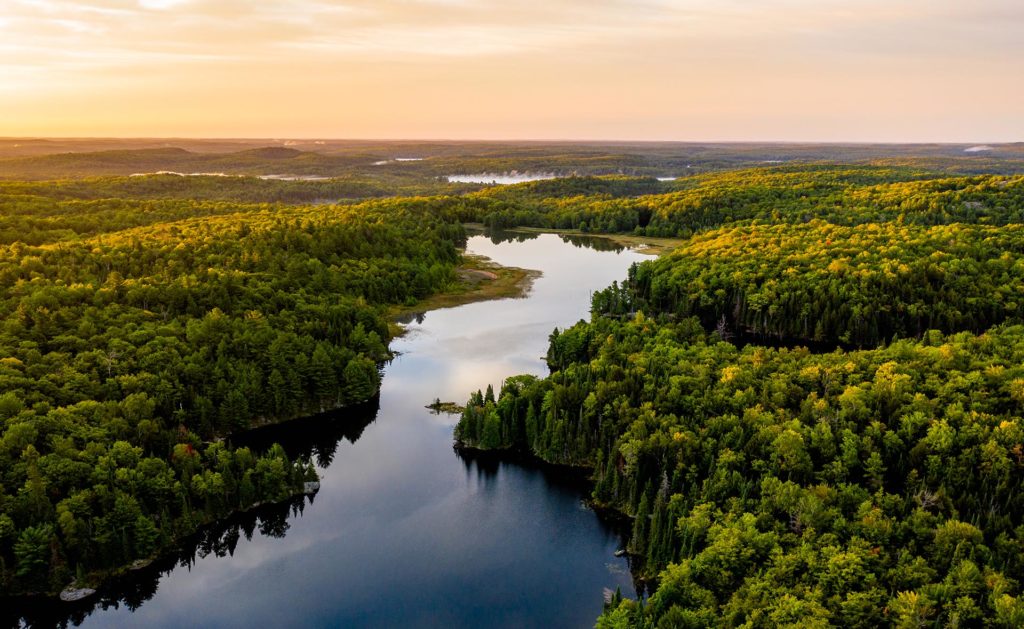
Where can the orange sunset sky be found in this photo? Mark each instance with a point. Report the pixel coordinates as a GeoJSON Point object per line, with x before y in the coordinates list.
{"type": "Point", "coordinates": [856, 70]}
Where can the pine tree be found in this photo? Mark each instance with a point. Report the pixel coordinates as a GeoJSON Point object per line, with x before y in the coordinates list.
{"type": "Point", "coordinates": [641, 528]}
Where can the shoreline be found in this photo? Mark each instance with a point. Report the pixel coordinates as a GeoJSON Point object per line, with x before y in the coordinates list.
{"type": "Point", "coordinates": [576, 473]}
{"type": "Point", "coordinates": [479, 279]}
{"type": "Point", "coordinates": [647, 245]}
{"type": "Point", "coordinates": [483, 279]}
{"type": "Point", "coordinates": [97, 584]}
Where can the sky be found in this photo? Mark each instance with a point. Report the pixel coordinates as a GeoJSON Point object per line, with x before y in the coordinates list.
{"type": "Point", "coordinates": [701, 70]}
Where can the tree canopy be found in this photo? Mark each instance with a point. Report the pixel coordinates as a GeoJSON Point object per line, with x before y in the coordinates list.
{"type": "Point", "coordinates": [135, 334]}
{"type": "Point", "coordinates": [812, 409]}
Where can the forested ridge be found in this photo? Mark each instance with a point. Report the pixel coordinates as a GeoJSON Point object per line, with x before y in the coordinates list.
{"type": "Point", "coordinates": [877, 485]}
{"type": "Point", "coordinates": [134, 334]}
{"type": "Point", "coordinates": [848, 195]}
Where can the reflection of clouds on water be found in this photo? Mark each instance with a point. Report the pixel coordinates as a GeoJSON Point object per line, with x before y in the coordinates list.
{"type": "Point", "coordinates": [494, 343]}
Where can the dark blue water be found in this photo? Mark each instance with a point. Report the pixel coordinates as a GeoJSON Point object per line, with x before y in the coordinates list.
{"type": "Point", "coordinates": [404, 532]}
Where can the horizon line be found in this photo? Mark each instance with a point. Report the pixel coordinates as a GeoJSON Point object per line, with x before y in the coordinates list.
{"type": "Point", "coordinates": [5, 138]}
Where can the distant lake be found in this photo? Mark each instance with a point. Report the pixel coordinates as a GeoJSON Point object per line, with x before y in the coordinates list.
{"type": "Point", "coordinates": [405, 532]}
{"type": "Point", "coordinates": [270, 177]}
{"type": "Point", "coordinates": [294, 177]}
{"type": "Point", "coordinates": [502, 178]}
{"type": "Point", "coordinates": [177, 174]}
{"type": "Point", "coordinates": [397, 159]}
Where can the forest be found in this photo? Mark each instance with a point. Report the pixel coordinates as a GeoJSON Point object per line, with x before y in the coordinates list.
{"type": "Point", "coordinates": [136, 334]}
{"type": "Point", "coordinates": [841, 195]}
{"type": "Point", "coordinates": [811, 409]}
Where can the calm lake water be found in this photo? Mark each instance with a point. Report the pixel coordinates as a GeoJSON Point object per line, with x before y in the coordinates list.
{"type": "Point", "coordinates": [404, 532]}
{"type": "Point", "coordinates": [500, 178]}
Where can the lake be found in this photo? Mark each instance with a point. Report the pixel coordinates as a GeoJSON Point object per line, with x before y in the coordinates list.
{"type": "Point", "coordinates": [404, 532]}
{"type": "Point", "coordinates": [500, 178]}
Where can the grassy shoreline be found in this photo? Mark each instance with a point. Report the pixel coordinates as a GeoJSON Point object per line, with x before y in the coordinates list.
{"type": "Point", "coordinates": [483, 279]}
{"type": "Point", "coordinates": [479, 279]}
{"type": "Point", "coordinates": [649, 245]}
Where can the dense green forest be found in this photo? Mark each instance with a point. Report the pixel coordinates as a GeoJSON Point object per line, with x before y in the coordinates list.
{"type": "Point", "coordinates": [875, 483]}
{"type": "Point", "coordinates": [135, 334]}
{"type": "Point", "coordinates": [144, 319]}
{"type": "Point", "coordinates": [816, 281]}
{"type": "Point", "coordinates": [841, 195]}
{"type": "Point", "coordinates": [786, 488]}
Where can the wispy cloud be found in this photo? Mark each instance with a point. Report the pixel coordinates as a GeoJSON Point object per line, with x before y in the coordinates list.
{"type": "Point", "coordinates": [465, 27]}
{"type": "Point", "coordinates": [653, 56]}
{"type": "Point", "coordinates": [423, 27]}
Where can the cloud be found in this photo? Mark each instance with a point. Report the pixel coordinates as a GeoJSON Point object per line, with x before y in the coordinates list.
{"type": "Point", "coordinates": [424, 27]}
{"type": "Point", "coordinates": [446, 28]}
{"type": "Point", "coordinates": [161, 5]}
{"type": "Point", "coordinates": [610, 59]}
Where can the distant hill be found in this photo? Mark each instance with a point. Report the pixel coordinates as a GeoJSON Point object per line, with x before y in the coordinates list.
{"type": "Point", "coordinates": [34, 159]}
{"type": "Point", "coordinates": [271, 160]}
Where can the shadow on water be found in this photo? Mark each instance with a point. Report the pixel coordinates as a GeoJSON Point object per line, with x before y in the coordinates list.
{"type": "Point", "coordinates": [413, 317]}
{"type": "Point", "coordinates": [136, 587]}
{"type": "Point", "coordinates": [499, 235]}
{"type": "Point", "coordinates": [597, 243]}
{"type": "Point", "coordinates": [316, 437]}
{"type": "Point", "coordinates": [487, 466]}
{"type": "Point", "coordinates": [571, 482]}
{"type": "Point", "coordinates": [574, 482]}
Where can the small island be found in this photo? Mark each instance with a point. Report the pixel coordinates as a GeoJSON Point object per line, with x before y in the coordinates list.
{"type": "Point", "coordinates": [448, 408]}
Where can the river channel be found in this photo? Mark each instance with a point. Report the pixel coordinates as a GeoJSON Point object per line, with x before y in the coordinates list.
{"type": "Point", "coordinates": [404, 531]}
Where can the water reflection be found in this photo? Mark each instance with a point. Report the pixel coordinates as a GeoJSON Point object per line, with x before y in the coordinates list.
{"type": "Point", "coordinates": [316, 437]}
{"type": "Point", "coordinates": [499, 236]}
{"type": "Point", "coordinates": [131, 591]}
{"type": "Point", "coordinates": [597, 243]}
{"type": "Point", "coordinates": [404, 532]}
